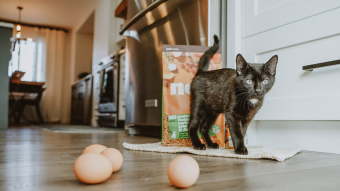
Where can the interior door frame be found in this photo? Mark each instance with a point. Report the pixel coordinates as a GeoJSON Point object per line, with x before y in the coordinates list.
{"type": "Point", "coordinates": [225, 20]}
{"type": "Point", "coordinates": [233, 29]}
{"type": "Point", "coordinates": [217, 25]}
{"type": "Point", "coordinates": [214, 19]}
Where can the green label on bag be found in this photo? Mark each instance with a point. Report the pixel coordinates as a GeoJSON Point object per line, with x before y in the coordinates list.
{"type": "Point", "coordinates": [178, 126]}
{"type": "Point", "coordinates": [213, 131]}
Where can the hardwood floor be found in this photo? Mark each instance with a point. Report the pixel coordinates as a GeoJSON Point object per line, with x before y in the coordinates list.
{"type": "Point", "coordinates": [33, 159]}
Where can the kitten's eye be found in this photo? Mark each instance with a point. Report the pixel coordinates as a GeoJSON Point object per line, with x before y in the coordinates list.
{"type": "Point", "coordinates": [249, 82]}
{"type": "Point", "coordinates": [265, 82]}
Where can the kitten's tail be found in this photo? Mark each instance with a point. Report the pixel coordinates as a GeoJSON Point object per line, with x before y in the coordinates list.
{"type": "Point", "coordinates": [205, 58]}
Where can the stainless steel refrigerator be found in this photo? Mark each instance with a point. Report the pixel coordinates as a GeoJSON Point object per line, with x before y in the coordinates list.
{"type": "Point", "coordinates": [172, 22]}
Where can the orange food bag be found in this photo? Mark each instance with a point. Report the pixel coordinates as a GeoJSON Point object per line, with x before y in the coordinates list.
{"type": "Point", "coordinates": [179, 67]}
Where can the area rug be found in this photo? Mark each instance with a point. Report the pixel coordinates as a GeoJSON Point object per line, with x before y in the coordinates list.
{"type": "Point", "coordinates": [78, 129]}
{"type": "Point", "coordinates": [253, 152]}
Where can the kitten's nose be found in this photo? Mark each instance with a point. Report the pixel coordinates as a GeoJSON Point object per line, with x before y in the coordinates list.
{"type": "Point", "coordinates": [258, 90]}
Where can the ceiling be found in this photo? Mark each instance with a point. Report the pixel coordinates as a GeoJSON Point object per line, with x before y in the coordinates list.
{"type": "Point", "coordinates": [63, 13]}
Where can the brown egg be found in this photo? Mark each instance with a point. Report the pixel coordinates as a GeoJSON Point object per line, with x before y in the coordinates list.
{"type": "Point", "coordinates": [95, 148]}
{"type": "Point", "coordinates": [115, 157]}
{"type": "Point", "coordinates": [183, 171]}
{"type": "Point", "coordinates": [91, 168]}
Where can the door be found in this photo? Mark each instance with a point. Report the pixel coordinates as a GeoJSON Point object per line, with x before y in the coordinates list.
{"type": "Point", "coordinates": [301, 33]}
{"type": "Point", "coordinates": [5, 56]}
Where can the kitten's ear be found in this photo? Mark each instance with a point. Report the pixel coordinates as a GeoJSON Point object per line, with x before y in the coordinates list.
{"type": "Point", "coordinates": [241, 65]}
{"type": "Point", "coordinates": [270, 66]}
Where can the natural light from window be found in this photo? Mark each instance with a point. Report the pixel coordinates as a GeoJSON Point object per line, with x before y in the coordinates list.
{"type": "Point", "coordinates": [29, 61]}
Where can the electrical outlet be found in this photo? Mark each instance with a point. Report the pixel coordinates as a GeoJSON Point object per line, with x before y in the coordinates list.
{"type": "Point", "coordinates": [151, 103]}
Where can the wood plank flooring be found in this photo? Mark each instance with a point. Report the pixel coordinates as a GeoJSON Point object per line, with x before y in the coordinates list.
{"type": "Point", "coordinates": [35, 159]}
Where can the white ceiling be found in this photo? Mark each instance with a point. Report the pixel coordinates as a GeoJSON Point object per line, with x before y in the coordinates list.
{"type": "Point", "coordinates": [64, 13]}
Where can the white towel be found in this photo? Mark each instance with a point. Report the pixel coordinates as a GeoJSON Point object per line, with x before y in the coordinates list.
{"type": "Point", "coordinates": [253, 152]}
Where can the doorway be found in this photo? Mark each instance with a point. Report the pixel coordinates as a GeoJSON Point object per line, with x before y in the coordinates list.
{"type": "Point", "coordinates": [84, 46]}
{"type": "Point", "coordinates": [81, 106]}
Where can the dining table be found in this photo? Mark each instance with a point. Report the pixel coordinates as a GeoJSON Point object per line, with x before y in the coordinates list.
{"type": "Point", "coordinates": [22, 94]}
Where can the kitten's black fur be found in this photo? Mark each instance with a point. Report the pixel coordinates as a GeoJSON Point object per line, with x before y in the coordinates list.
{"type": "Point", "coordinates": [236, 93]}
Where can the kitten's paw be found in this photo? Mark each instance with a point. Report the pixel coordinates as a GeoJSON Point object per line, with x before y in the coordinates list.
{"type": "Point", "coordinates": [200, 147]}
{"type": "Point", "coordinates": [213, 145]}
{"type": "Point", "coordinates": [242, 150]}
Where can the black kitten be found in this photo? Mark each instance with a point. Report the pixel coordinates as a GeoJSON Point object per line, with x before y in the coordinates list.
{"type": "Point", "coordinates": [236, 93]}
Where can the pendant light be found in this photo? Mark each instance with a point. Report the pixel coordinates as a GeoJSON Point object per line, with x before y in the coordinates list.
{"type": "Point", "coordinates": [17, 41]}
{"type": "Point", "coordinates": [18, 27]}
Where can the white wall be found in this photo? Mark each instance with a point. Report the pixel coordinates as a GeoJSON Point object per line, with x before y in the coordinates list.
{"type": "Point", "coordinates": [106, 32]}
{"type": "Point", "coordinates": [102, 31]}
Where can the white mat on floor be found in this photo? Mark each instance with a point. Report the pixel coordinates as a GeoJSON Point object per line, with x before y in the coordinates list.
{"type": "Point", "coordinates": [253, 153]}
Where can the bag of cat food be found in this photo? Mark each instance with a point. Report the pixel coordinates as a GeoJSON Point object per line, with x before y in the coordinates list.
{"type": "Point", "coordinates": [180, 64]}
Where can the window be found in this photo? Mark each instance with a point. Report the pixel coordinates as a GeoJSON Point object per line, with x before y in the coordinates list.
{"type": "Point", "coordinates": [29, 61]}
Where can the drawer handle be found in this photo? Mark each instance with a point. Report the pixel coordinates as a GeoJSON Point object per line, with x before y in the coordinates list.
{"type": "Point", "coordinates": [311, 67]}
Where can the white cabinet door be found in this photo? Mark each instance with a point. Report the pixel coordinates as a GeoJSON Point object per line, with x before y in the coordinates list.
{"type": "Point", "coordinates": [301, 32]}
